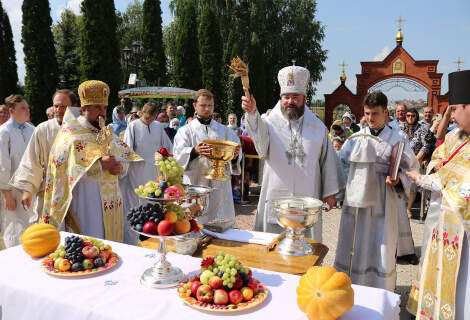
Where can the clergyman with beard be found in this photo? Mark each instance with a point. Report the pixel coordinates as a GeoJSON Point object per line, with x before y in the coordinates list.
{"type": "Point", "coordinates": [300, 158]}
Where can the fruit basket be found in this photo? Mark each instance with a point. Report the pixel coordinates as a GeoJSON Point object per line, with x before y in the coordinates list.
{"type": "Point", "coordinates": [223, 285]}
{"type": "Point", "coordinates": [80, 256]}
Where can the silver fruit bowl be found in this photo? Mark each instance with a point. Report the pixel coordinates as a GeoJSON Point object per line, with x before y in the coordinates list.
{"type": "Point", "coordinates": [296, 214]}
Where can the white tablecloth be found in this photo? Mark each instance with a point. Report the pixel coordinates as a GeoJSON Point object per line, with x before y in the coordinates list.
{"type": "Point", "coordinates": [26, 292]}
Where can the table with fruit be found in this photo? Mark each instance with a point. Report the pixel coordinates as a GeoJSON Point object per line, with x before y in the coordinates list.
{"type": "Point", "coordinates": [27, 292]}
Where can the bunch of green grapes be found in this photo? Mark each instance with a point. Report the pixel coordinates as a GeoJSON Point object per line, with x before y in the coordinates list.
{"type": "Point", "coordinates": [97, 243]}
{"type": "Point", "coordinates": [148, 188]}
{"type": "Point", "coordinates": [227, 267]}
{"type": "Point", "coordinates": [58, 253]}
{"type": "Point", "coordinates": [171, 169]}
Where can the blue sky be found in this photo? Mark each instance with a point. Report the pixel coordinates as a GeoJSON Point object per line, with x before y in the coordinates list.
{"type": "Point", "coordinates": [360, 30]}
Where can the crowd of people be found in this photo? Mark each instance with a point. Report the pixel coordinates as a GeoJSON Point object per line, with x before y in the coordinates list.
{"type": "Point", "coordinates": [63, 173]}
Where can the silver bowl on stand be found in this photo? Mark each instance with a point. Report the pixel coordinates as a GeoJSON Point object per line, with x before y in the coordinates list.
{"type": "Point", "coordinates": [296, 214]}
{"type": "Point", "coordinates": [163, 274]}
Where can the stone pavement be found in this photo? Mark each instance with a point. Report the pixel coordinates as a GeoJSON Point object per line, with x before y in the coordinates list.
{"type": "Point", "coordinates": [245, 215]}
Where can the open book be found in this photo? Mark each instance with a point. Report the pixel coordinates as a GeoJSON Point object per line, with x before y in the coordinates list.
{"type": "Point", "coordinates": [395, 160]}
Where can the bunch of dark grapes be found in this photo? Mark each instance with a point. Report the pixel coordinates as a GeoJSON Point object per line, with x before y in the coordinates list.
{"type": "Point", "coordinates": [73, 249]}
{"type": "Point", "coordinates": [142, 214]}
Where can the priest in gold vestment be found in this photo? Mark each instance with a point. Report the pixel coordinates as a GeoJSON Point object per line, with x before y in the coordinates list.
{"type": "Point", "coordinates": [442, 290]}
{"type": "Point", "coordinates": [85, 163]}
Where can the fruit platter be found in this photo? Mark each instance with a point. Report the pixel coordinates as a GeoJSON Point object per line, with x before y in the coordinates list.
{"type": "Point", "coordinates": [167, 210]}
{"type": "Point", "coordinates": [223, 285]}
{"type": "Point", "coordinates": [80, 256]}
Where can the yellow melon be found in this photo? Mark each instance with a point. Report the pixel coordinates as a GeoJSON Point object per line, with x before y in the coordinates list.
{"type": "Point", "coordinates": [324, 294]}
{"type": "Point", "coordinates": [40, 239]}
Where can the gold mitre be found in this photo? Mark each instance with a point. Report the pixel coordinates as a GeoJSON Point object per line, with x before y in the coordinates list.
{"type": "Point", "coordinates": [93, 92]}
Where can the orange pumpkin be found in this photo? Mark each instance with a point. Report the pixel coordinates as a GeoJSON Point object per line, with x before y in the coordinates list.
{"type": "Point", "coordinates": [324, 294]}
{"type": "Point", "coordinates": [40, 239]}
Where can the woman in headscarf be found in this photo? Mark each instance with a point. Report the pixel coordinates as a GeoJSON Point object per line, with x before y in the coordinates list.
{"type": "Point", "coordinates": [119, 120]}
{"type": "Point", "coordinates": [337, 129]}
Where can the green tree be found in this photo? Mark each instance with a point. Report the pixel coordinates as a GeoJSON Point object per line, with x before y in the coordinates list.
{"type": "Point", "coordinates": [211, 51]}
{"type": "Point", "coordinates": [152, 41]}
{"type": "Point", "coordinates": [40, 57]}
{"type": "Point", "coordinates": [8, 74]}
{"type": "Point", "coordinates": [186, 64]}
{"type": "Point", "coordinates": [67, 40]}
{"type": "Point", "coordinates": [100, 55]}
{"type": "Point", "coordinates": [130, 24]}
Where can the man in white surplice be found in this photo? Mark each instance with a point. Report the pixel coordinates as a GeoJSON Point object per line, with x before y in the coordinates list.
{"type": "Point", "coordinates": [29, 177]}
{"type": "Point", "coordinates": [300, 158]}
{"type": "Point", "coordinates": [377, 224]}
{"type": "Point", "coordinates": [192, 155]}
{"type": "Point", "coordinates": [14, 137]}
{"type": "Point", "coordinates": [144, 136]}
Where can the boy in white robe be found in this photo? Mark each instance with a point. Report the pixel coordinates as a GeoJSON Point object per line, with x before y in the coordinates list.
{"type": "Point", "coordinates": [192, 155]}
{"type": "Point", "coordinates": [14, 137]}
{"type": "Point", "coordinates": [377, 224]}
{"type": "Point", "coordinates": [144, 136]}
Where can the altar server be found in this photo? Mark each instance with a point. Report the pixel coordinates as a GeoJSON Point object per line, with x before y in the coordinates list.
{"type": "Point", "coordinates": [371, 190]}
{"type": "Point", "coordinates": [14, 137]}
{"type": "Point", "coordinates": [193, 155]}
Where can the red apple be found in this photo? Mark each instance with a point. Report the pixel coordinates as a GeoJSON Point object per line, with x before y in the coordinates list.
{"type": "Point", "coordinates": [253, 286]}
{"type": "Point", "coordinates": [150, 228]}
{"type": "Point", "coordinates": [220, 296]}
{"type": "Point", "coordinates": [238, 284]}
{"type": "Point", "coordinates": [90, 252]}
{"type": "Point", "coordinates": [165, 228]}
{"type": "Point", "coordinates": [204, 293]}
{"type": "Point", "coordinates": [247, 293]}
{"type": "Point", "coordinates": [194, 286]}
{"type": "Point", "coordinates": [235, 296]}
{"type": "Point", "coordinates": [215, 282]}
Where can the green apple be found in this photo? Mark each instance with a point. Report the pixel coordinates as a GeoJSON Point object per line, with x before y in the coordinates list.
{"type": "Point", "coordinates": [57, 263]}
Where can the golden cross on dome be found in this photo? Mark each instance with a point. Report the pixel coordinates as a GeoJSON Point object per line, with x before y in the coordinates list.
{"type": "Point", "coordinates": [400, 21]}
{"type": "Point", "coordinates": [343, 65]}
{"type": "Point", "coordinates": [458, 62]}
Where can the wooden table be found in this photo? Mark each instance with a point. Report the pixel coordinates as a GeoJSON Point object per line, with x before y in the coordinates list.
{"type": "Point", "coordinates": [255, 255]}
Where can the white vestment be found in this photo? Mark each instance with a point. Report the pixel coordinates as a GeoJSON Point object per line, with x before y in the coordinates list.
{"type": "Point", "coordinates": [144, 140]}
{"type": "Point", "coordinates": [189, 136]}
{"type": "Point", "coordinates": [319, 177]}
{"type": "Point", "coordinates": [377, 226]}
{"type": "Point", "coordinates": [33, 166]}
{"type": "Point", "coordinates": [13, 142]}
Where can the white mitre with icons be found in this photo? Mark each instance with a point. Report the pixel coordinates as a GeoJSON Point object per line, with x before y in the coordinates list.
{"type": "Point", "coordinates": [293, 79]}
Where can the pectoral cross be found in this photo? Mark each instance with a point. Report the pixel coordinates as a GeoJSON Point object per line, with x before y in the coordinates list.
{"type": "Point", "coordinates": [294, 151]}
{"type": "Point", "coordinates": [103, 136]}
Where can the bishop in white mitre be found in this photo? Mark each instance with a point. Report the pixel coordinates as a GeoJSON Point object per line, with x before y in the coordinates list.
{"type": "Point", "coordinates": [300, 159]}
{"type": "Point", "coordinates": [193, 155]}
{"type": "Point", "coordinates": [374, 194]}
{"type": "Point", "coordinates": [144, 136]}
{"type": "Point", "coordinates": [29, 177]}
{"type": "Point", "coordinates": [14, 137]}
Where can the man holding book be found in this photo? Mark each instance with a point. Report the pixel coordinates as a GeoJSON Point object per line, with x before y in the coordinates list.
{"type": "Point", "coordinates": [372, 195]}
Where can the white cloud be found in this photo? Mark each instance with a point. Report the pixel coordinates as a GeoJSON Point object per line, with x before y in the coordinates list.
{"type": "Point", "coordinates": [73, 5]}
{"type": "Point", "coordinates": [382, 54]}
